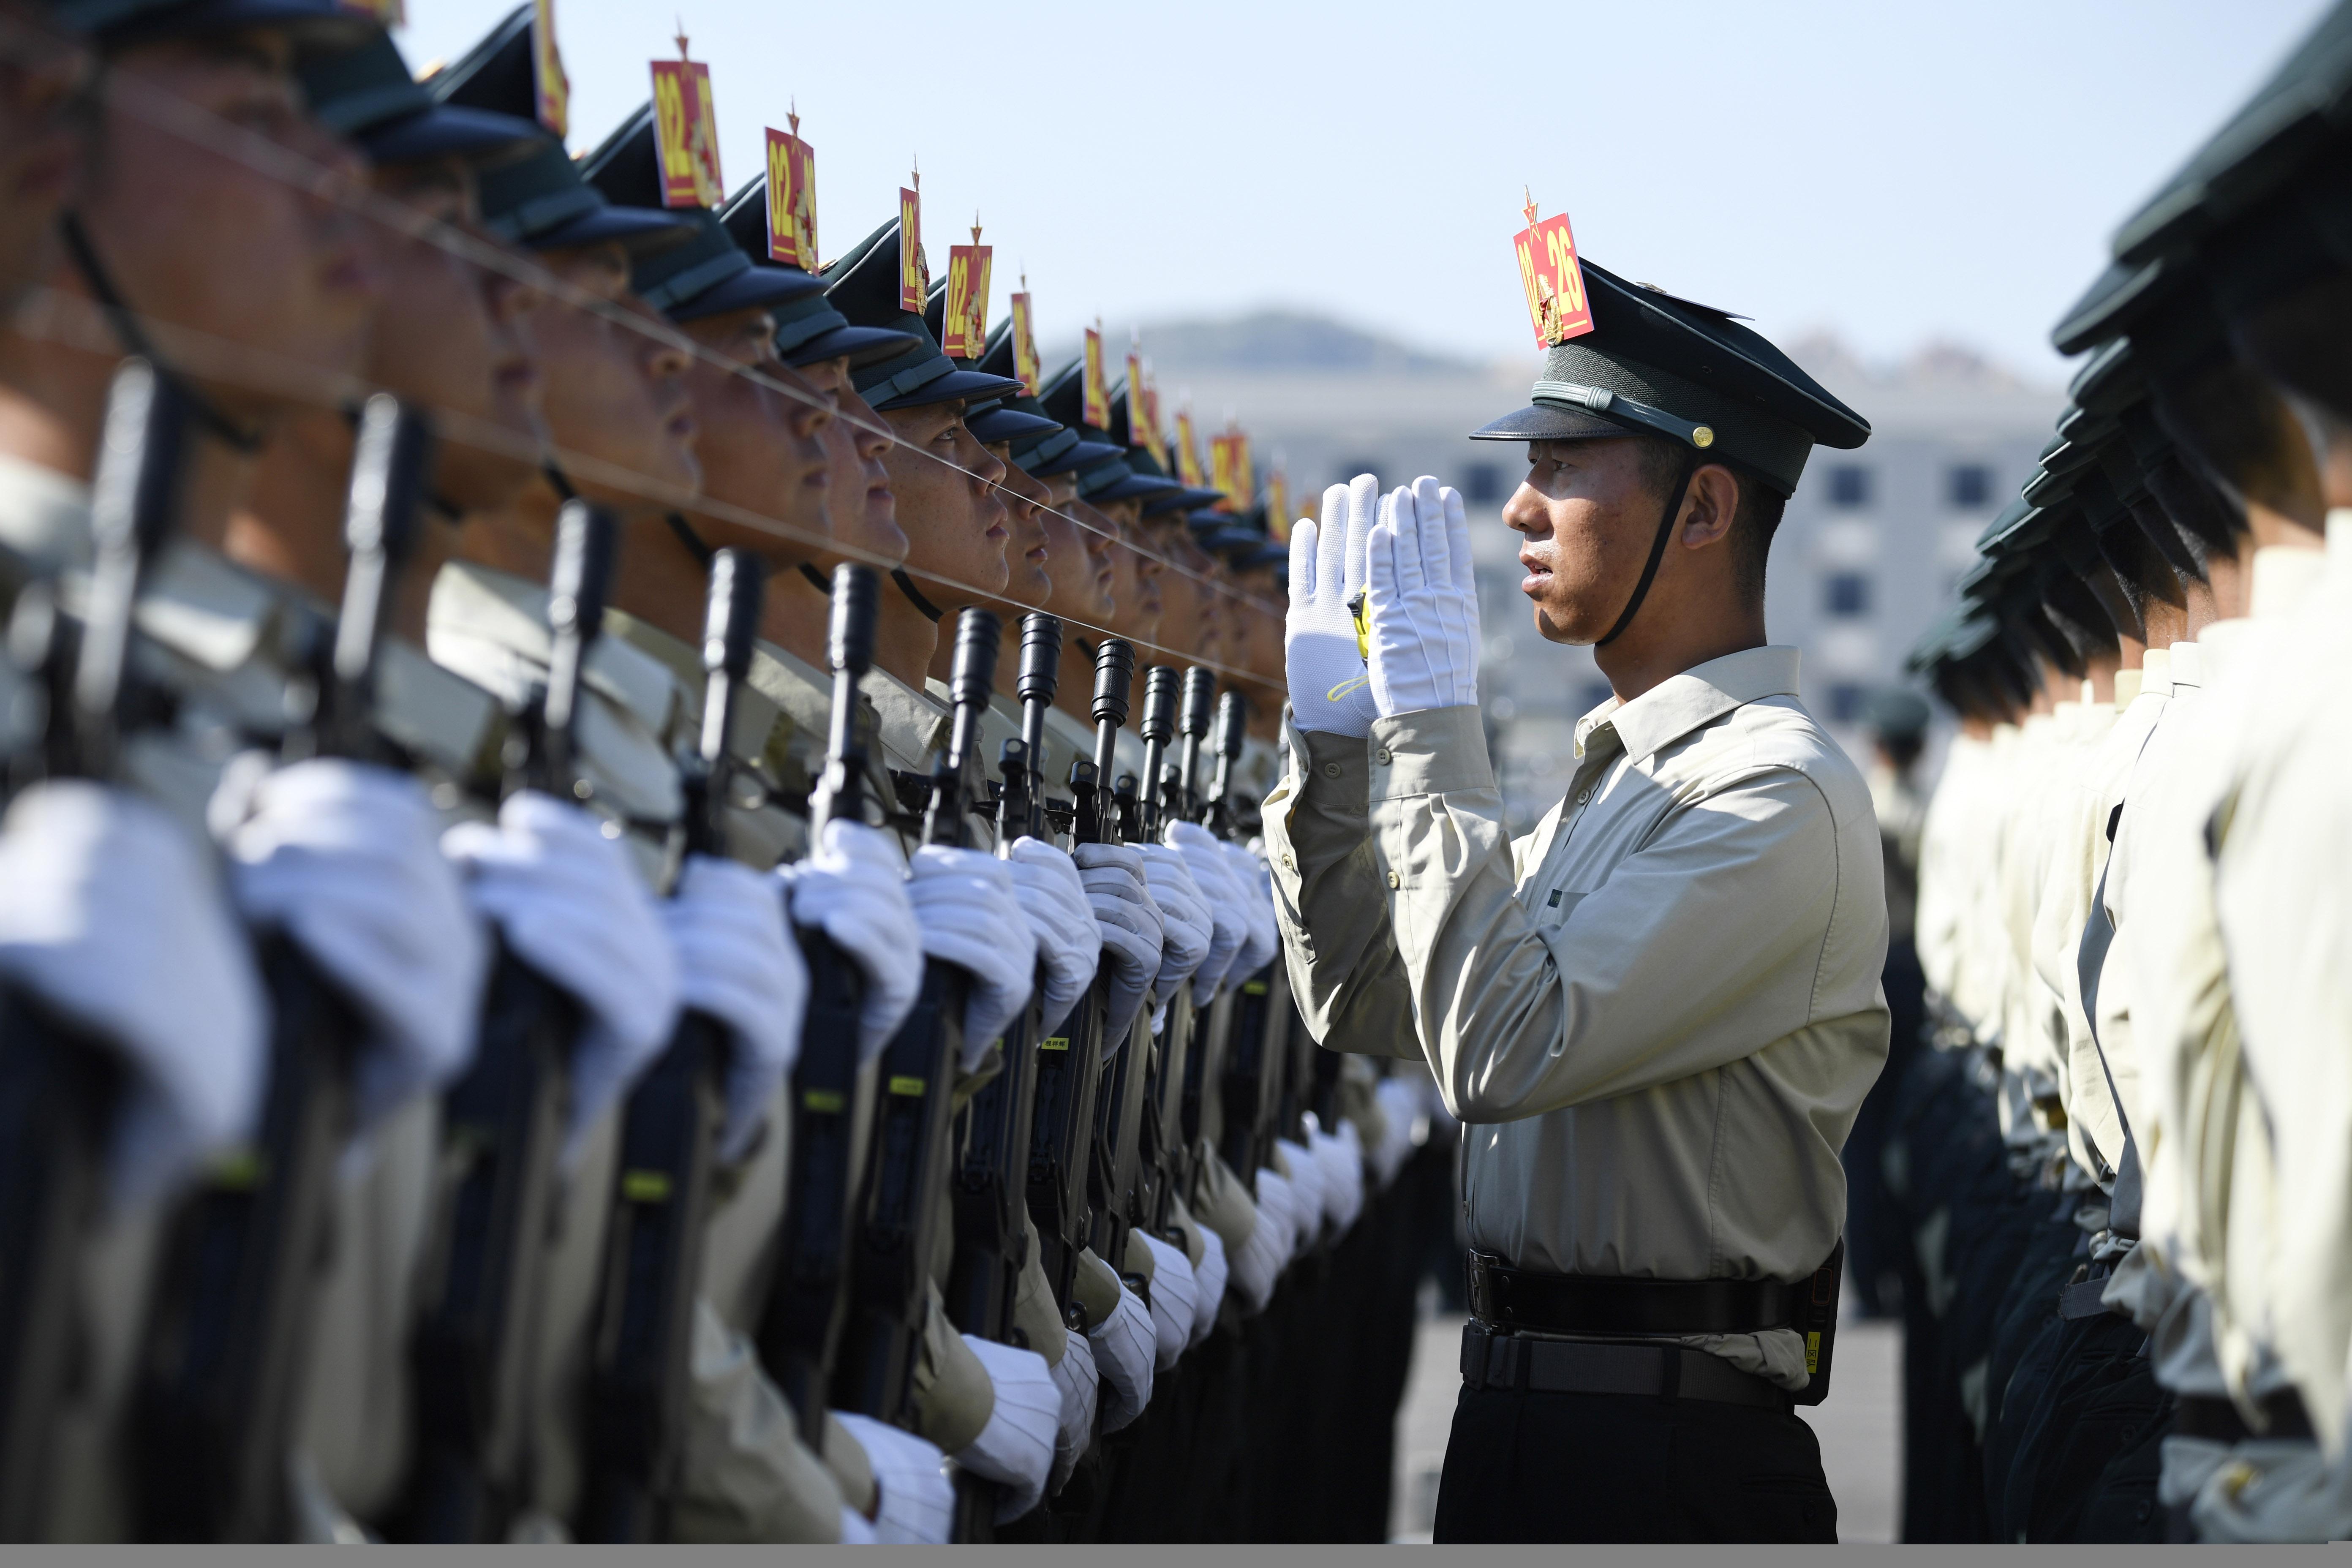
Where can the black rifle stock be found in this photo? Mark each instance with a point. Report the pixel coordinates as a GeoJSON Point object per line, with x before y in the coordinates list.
{"type": "Point", "coordinates": [801, 1329]}
{"type": "Point", "coordinates": [1205, 1063]}
{"type": "Point", "coordinates": [1069, 1067]}
{"type": "Point", "coordinates": [640, 1367]}
{"type": "Point", "coordinates": [475, 1347]}
{"type": "Point", "coordinates": [1125, 1128]}
{"type": "Point", "coordinates": [59, 1084]}
{"type": "Point", "coordinates": [903, 1202]}
{"type": "Point", "coordinates": [995, 1128]}
{"type": "Point", "coordinates": [229, 1332]}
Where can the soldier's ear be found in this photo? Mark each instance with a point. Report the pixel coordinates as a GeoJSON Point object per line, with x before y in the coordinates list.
{"type": "Point", "coordinates": [1709, 507]}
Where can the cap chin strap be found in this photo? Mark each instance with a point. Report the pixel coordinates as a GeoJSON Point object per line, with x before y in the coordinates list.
{"type": "Point", "coordinates": [562, 481]}
{"type": "Point", "coordinates": [1657, 552]}
{"type": "Point", "coordinates": [815, 578]}
{"type": "Point", "coordinates": [931, 612]}
{"type": "Point", "coordinates": [695, 543]}
{"type": "Point", "coordinates": [135, 340]}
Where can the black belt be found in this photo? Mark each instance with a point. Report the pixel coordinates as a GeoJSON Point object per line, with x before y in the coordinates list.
{"type": "Point", "coordinates": [1511, 1298]}
{"type": "Point", "coordinates": [2219, 1421]}
{"type": "Point", "coordinates": [1490, 1360]}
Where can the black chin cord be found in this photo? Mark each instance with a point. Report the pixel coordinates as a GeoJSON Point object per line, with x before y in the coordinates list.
{"type": "Point", "coordinates": [135, 340]}
{"type": "Point", "coordinates": [560, 480]}
{"type": "Point", "coordinates": [816, 579]}
{"type": "Point", "coordinates": [695, 543]}
{"type": "Point", "coordinates": [915, 595]}
{"type": "Point", "coordinates": [1657, 553]}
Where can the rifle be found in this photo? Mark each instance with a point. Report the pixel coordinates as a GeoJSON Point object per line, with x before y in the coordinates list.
{"type": "Point", "coordinates": [1070, 1067]}
{"type": "Point", "coordinates": [801, 1327]}
{"type": "Point", "coordinates": [992, 1243]}
{"type": "Point", "coordinates": [1127, 1133]}
{"type": "Point", "coordinates": [59, 1084]}
{"type": "Point", "coordinates": [908, 1162]}
{"type": "Point", "coordinates": [641, 1357]}
{"type": "Point", "coordinates": [473, 1350]}
{"type": "Point", "coordinates": [1212, 1035]}
{"type": "Point", "coordinates": [1179, 1054]}
{"type": "Point", "coordinates": [229, 1333]}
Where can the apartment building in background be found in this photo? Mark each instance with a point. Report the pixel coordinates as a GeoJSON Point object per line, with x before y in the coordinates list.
{"type": "Point", "coordinates": [1868, 551]}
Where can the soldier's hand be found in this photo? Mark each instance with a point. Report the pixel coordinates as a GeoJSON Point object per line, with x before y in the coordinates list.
{"type": "Point", "coordinates": [1422, 601]}
{"type": "Point", "coordinates": [1323, 650]}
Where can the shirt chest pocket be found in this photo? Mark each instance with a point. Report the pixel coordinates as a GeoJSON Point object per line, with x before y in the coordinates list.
{"type": "Point", "coordinates": [1550, 907]}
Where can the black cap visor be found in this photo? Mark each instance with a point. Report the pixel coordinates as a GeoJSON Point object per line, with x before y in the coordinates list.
{"type": "Point", "coordinates": [450, 131]}
{"type": "Point", "coordinates": [636, 229]}
{"type": "Point", "coordinates": [992, 426]}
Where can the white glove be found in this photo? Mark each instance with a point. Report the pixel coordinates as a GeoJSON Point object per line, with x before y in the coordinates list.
{"type": "Point", "coordinates": [1422, 601]}
{"type": "Point", "coordinates": [1062, 917]}
{"type": "Point", "coordinates": [1331, 686]}
{"type": "Point", "coordinates": [1175, 1295]}
{"type": "Point", "coordinates": [96, 885]}
{"type": "Point", "coordinates": [1131, 928]}
{"type": "Point", "coordinates": [1307, 1192]}
{"type": "Point", "coordinates": [1279, 1207]}
{"type": "Point", "coordinates": [856, 1530]}
{"type": "Point", "coordinates": [570, 904]}
{"type": "Point", "coordinates": [340, 856]}
{"type": "Point", "coordinates": [1081, 1386]}
{"type": "Point", "coordinates": [1124, 1346]}
{"type": "Point", "coordinates": [1015, 1449]}
{"type": "Point", "coordinates": [1259, 1263]}
{"type": "Point", "coordinates": [915, 1500]}
{"type": "Point", "coordinates": [1211, 1278]}
{"type": "Point", "coordinates": [1228, 915]}
{"type": "Point", "coordinates": [1400, 1107]}
{"type": "Point", "coordinates": [1340, 1156]}
{"type": "Point", "coordinates": [1190, 928]}
{"type": "Point", "coordinates": [735, 963]}
{"type": "Point", "coordinates": [1263, 937]}
{"type": "Point", "coordinates": [971, 916]}
{"type": "Point", "coordinates": [853, 887]}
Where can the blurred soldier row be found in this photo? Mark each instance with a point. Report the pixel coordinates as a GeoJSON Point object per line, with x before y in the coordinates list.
{"type": "Point", "coordinates": [629, 901]}
{"type": "Point", "coordinates": [2119, 1167]}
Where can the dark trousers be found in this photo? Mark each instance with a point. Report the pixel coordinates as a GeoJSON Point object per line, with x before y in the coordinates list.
{"type": "Point", "coordinates": [1548, 1468]}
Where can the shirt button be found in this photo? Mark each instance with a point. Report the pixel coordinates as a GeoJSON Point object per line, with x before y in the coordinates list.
{"type": "Point", "coordinates": [1583, 795]}
{"type": "Point", "coordinates": [1392, 879]}
{"type": "Point", "coordinates": [1330, 770]}
{"type": "Point", "coordinates": [1288, 864]}
{"type": "Point", "coordinates": [1384, 756]}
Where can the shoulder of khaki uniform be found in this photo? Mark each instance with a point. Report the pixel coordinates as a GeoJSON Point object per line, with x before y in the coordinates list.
{"type": "Point", "coordinates": [760, 734]}
{"type": "Point", "coordinates": [910, 726]}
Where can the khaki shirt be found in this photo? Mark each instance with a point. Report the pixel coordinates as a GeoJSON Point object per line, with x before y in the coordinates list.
{"type": "Point", "coordinates": [1659, 1013]}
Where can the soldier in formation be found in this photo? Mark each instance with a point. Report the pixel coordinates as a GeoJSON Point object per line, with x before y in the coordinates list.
{"type": "Point", "coordinates": [631, 899]}
{"type": "Point", "coordinates": [2119, 1158]}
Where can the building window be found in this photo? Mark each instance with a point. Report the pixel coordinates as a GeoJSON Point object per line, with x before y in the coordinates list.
{"type": "Point", "coordinates": [1847, 701]}
{"type": "Point", "coordinates": [1482, 484]}
{"type": "Point", "coordinates": [1846, 595]}
{"type": "Point", "coordinates": [1969, 486]}
{"type": "Point", "coordinates": [1849, 485]}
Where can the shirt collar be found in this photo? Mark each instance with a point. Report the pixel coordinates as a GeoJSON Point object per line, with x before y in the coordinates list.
{"type": "Point", "coordinates": [1697, 697]}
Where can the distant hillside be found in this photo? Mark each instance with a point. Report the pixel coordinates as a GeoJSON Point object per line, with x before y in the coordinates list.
{"type": "Point", "coordinates": [1269, 341]}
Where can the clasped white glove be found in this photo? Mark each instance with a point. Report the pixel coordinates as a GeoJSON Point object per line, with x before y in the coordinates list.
{"type": "Point", "coordinates": [1400, 1107]}
{"type": "Point", "coordinates": [1341, 1159]}
{"type": "Point", "coordinates": [1421, 600]}
{"type": "Point", "coordinates": [735, 963]}
{"type": "Point", "coordinates": [852, 887]}
{"type": "Point", "coordinates": [1228, 914]}
{"type": "Point", "coordinates": [1306, 1190]}
{"type": "Point", "coordinates": [1125, 1345]}
{"type": "Point", "coordinates": [1259, 1263]}
{"type": "Point", "coordinates": [1081, 1384]}
{"type": "Point", "coordinates": [1175, 1295]}
{"type": "Point", "coordinates": [1015, 1449]}
{"type": "Point", "coordinates": [569, 903]}
{"type": "Point", "coordinates": [1211, 1278]}
{"type": "Point", "coordinates": [970, 915]}
{"type": "Point", "coordinates": [96, 885]}
{"type": "Point", "coordinates": [915, 1501]}
{"type": "Point", "coordinates": [1263, 937]}
{"type": "Point", "coordinates": [1062, 917]}
{"type": "Point", "coordinates": [1131, 928]}
{"type": "Point", "coordinates": [1330, 685]}
{"type": "Point", "coordinates": [1278, 1206]}
{"type": "Point", "coordinates": [340, 856]}
{"type": "Point", "coordinates": [1189, 926]}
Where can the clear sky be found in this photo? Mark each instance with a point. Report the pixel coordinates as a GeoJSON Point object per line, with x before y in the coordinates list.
{"type": "Point", "coordinates": [1894, 171]}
